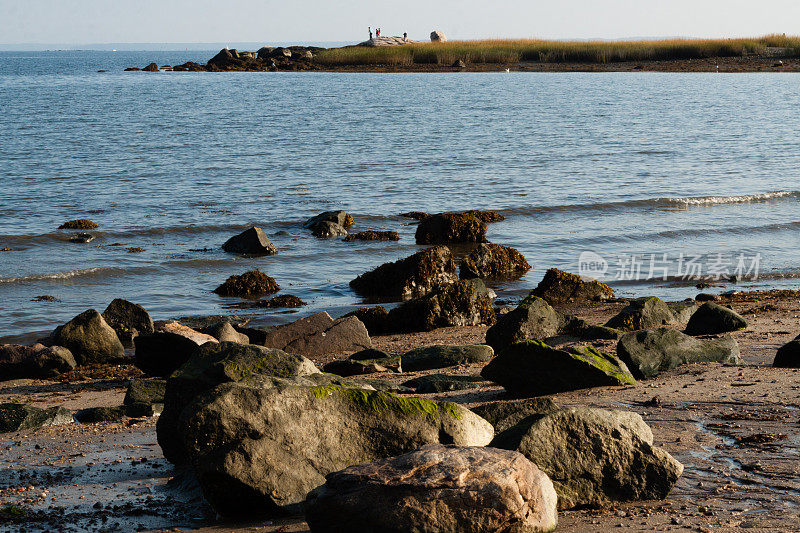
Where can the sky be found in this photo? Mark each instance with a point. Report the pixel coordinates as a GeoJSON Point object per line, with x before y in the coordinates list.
{"type": "Point", "coordinates": [75, 22]}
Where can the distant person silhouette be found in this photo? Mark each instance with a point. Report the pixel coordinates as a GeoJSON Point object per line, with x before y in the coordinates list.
{"type": "Point", "coordinates": [405, 36]}
{"type": "Point", "coordinates": [377, 32]}
{"type": "Point", "coordinates": [369, 29]}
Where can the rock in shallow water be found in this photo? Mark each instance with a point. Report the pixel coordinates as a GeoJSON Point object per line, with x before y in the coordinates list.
{"type": "Point", "coordinates": [128, 319]}
{"type": "Point", "coordinates": [260, 448]}
{"type": "Point", "coordinates": [450, 227]}
{"type": "Point", "coordinates": [493, 261]}
{"type": "Point", "coordinates": [252, 284]}
{"type": "Point", "coordinates": [251, 241]}
{"type": "Point", "coordinates": [594, 456]}
{"type": "Point", "coordinates": [437, 488]}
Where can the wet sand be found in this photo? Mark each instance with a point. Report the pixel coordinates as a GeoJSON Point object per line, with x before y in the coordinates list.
{"type": "Point", "coordinates": [736, 429]}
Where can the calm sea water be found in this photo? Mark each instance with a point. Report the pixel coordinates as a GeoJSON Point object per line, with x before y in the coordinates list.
{"type": "Point", "coordinates": [615, 164]}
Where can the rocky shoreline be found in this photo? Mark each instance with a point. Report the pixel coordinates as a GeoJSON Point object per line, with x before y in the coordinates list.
{"type": "Point", "coordinates": [607, 412]}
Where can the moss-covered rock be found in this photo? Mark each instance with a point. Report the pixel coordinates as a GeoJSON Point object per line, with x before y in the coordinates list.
{"type": "Point", "coordinates": [532, 319]}
{"type": "Point", "coordinates": [261, 448]}
{"type": "Point", "coordinates": [642, 313]}
{"type": "Point", "coordinates": [532, 368]}
{"type": "Point", "coordinates": [252, 284]}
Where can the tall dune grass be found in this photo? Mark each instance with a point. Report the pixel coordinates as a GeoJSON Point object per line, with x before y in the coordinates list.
{"type": "Point", "coordinates": [513, 51]}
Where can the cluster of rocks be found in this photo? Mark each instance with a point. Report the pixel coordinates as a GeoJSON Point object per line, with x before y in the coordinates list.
{"type": "Point", "coordinates": [267, 58]}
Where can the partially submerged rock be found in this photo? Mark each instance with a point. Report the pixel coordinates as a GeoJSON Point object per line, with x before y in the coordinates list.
{"type": "Point", "coordinates": [435, 383]}
{"type": "Point", "coordinates": [504, 415]}
{"type": "Point", "coordinates": [594, 456]}
{"type": "Point", "coordinates": [212, 365]}
{"type": "Point", "coordinates": [713, 319]}
{"type": "Point", "coordinates": [411, 277]}
{"type": "Point", "coordinates": [532, 319]}
{"type": "Point", "coordinates": [319, 334]}
{"type": "Point", "coordinates": [437, 488]}
{"type": "Point", "coordinates": [443, 356]}
{"type": "Point", "coordinates": [128, 319]}
{"type": "Point", "coordinates": [642, 313]}
{"type": "Point", "coordinates": [788, 355]}
{"type": "Point", "coordinates": [649, 352]}
{"type": "Point", "coordinates": [493, 261]}
{"type": "Point", "coordinates": [81, 238]}
{"type": "Point", "coordinates": [252, 241]}
{"type": "Point", "coordinates": [19, 417]}
{"type": "Point", "coordinates": [558, 287]}
{"type": "Point", "coordinates": [90, 339]}
{"type": "Point", "coordinates": [81, 223]}
{"type": "Point", "coordinates": [286, 301]}
{"type": "Point", "coordinates": [260, 448]}
{"type": "Point", "coordinates": [252, 284]}
{"type": "Point", "coordinates": [327, 230]}
{"type": "Point", "coordinates": [463, 303]}
{"type": "Point", "coordinates": [373, 236]}
{"type": "Point", "coordinates": [532, 368]}
{"type": "Point", "coordinates": [37, 361]}
{"type": "Point", "coordinates": [341, 218]}
{"type": "Point", "coordinates": [450, 227]}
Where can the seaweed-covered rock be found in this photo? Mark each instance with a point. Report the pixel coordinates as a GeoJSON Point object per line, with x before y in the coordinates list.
{"type": "Point", "coordinates": [252, 241]}
{"type": "Point", "coordinates": [128, 319]}
{"type": "Point", "coordinates": [712, 319]}
{"type": "Point", "coordinates": [435, 383]}
{"type": "Point", "coordinates": [788, 355]}
{"type": "Point", "coordinates": [211, 365]}
{"type": "Point", "coordinates": [319, 334]}
{"type": "Point", "coordinates": [18, 417]}
{"type": "Point", "coordinates": [411, 277]}
{"type": "Point", "coordinates": [532, 319]}
{"type": "Point", "coordinates": [252, 284]}
{"type": "Point", "coordinates": [463, 303]}
{"type": "Point", "coordinates": [37, 361]}
{"type": "Point", "coordinates": [373, 236]}
{"type": "Point", "coordinates": [433, 357]}
{"type": "Point", "coordinates": [81, 223]}
{"type": "Point", "coordinates": [286, 301]}
{"type": "Point", "coordinates": [532, 368]}
{"type": "Point", "coordinates": [493, 261]}
{"type": "Point", "coordinates": [485, 216]}
{"type": "Point", "coordinates": [90, 339]}
{"type": "Point", "coordinates": [450, 227]}
{"type": "Point", "coordinates": [504, 415]}
{"type": "Point", "coordinates": [649, 352]}
{"type": "Point", "coordinates": [260, 448]}
{"type": "Point", "coordinates": [594, 456]}
{"type": "Point", "coordinates": [365, 362]}
{"type": "Point", "coordinates": [642, 313]}
{"type": "Point", "coordinates": [375, 319]}
{"type": "Point", "coordinates": [558, 286]}
{"type": "Point", "coordinates": [438, 488]}
{"type": "Point", "coordinates": [342, 218]}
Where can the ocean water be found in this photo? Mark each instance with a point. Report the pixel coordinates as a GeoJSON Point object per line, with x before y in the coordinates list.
{"type": "Point", "coordinates": [641, 168]}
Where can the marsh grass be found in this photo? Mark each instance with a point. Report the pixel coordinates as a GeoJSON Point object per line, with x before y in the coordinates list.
{"type": "Point", "coordinates": [508, 51]}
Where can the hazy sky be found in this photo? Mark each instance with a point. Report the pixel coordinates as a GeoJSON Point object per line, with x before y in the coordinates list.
{"type": "Point", "coordinates": [184, 21]}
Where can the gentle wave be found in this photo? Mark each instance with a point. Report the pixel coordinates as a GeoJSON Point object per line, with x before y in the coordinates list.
{"type": "Point", "coordinates": [95, 272]}
{"type": "Point", "coordinates": [664, 203]}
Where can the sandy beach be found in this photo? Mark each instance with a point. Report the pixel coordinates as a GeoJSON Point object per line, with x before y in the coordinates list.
{"type": "Point", "coordinates": [736, 429]}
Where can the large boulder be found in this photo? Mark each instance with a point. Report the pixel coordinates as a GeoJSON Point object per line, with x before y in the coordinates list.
{"type": "Point", "coordinates": [788, 355]}
{"type": "Point", "coordinates": [504, 415]}
{"type": "Point", "coordinates": [532, 368]}
{"type": "Point", "coordinates": [463, 303]}
{"type": "Point", "coordinates": [594, 456]}
{"type": "Point", "coordinates": [128, 319]}
{"type": "Point", "coordinates": [493, 261]}
{"type": "Point", "coordinates": [411, 277]}
{"type": "Point", "coordinates": [18, 417]}
{"type": "Point", "coordinates": [224, 58]}
{"type": "Point", "coordinates": [252, 284]}
{"type": "Point", "coordinates": [642, 313]}
{"type": "Point", "coordinates": [532, 319]}
{"type": "Point", "coordinates": [328, 230]}
{"type": "Point", "coordinates": [375, 319]}
{"type": "Point", "coordinates": [450, 227]}
{"type": "Point", "coordinates": [437, 488]}
{"type": "Point", "coordinates": [37, 361]}
{"type": "Point", "coordinates": [212, 365]}
{"type": "Point", "coordinates": [252, 241]}
{"type": "Point", "coordinates": [90, 339]}
{"type": "Point", "coordinates": [163, 352]}
{"type": "Point", "coordinates": [261, 447]}
{"type": "Point", "coordinates": [558, 287]}
{"type": "Point", "coordinates": [713, 319]}
{"type": "Point", "coordinates": [433, 357]}
{"type": "Point", "coordinates": [649, 352]}
{"type": "Point", "coordinates": [438, 37]}
{"type": "Point", "coordinates": [318, 335]}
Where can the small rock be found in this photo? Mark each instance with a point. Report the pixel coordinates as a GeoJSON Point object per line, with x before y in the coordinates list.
{"type": "Point", "coordinates": [282, 301]}
{"type": "Point", "coordinates": [252, 241]}
{"type": "Point", "coordinates": [252, 284]}
{"type": "Point", "coordinates": [81, 223]}
{"type": "Point", "coordinates": [81, 238]}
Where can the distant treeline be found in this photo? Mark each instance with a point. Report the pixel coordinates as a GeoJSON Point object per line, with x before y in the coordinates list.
{"type": "Point", "coordinates": [513, 51]}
